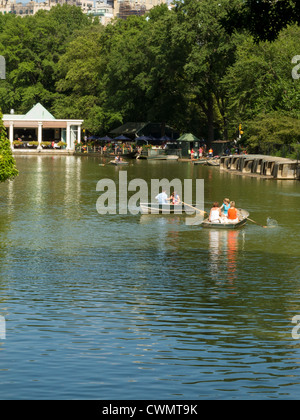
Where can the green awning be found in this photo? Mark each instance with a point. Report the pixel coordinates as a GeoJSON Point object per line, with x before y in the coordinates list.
{"type": "Point", "coordinates": [188, 137]}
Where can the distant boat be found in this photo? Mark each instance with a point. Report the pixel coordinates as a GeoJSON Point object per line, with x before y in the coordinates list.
{"type": "Point", "coordinates": [118, 162]}
{"type": "Point", "coordinates": [159, 157]}
{"type": "Point", "coordinates": [213, 162]}
{"type": "Point", "coordinates": [200, 162]}
{"type": "Point", "coordinates": [242, 216]}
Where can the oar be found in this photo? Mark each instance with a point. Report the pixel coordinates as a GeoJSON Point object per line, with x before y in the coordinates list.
{"type": "Point", "coordinates": [195, 208]}
{"type": "Point", "coordinates": [253, 221]}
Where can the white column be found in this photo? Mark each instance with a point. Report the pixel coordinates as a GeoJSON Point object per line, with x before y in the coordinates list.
{"type": "Point", "coordinates": [11, 134]}
{"type": "Point", "coordinates": [79, 134]}
{"type": "Point", "coordinates": [40, 131]}
{"type": "Point", "coordinates": [68, 136]}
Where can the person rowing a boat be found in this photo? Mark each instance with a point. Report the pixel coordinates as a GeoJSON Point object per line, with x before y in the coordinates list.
{"type": "Point", "coordinates": [162, 198]}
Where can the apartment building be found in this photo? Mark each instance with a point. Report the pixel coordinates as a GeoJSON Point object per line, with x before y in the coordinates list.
{"type": "Point", "coordinates": [106, 10]}
{"type": "Point", "coordinates": [31, 7]}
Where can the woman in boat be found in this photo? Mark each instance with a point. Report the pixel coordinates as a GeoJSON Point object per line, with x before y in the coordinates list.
{"type": "Point", "coordinates": [225, 207]}
{"type": "Point", "coordinates": [232, 213]}
{"type": "Point", "coordinates": [215, 213]}
{"type": "Point", "coordinates": [175, 199]}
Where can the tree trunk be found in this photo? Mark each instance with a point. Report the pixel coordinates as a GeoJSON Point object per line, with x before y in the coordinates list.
{"type": "Point", "coordinates": [210, 120]}
{"type": "Point", "coordinates": [163, 128]}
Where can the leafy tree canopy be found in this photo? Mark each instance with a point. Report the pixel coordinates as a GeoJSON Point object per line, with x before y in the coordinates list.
{"type": "Point", "coordinates": [32, 46]}
{"type": "Point", "coordinates": [264, 19]}
{"type": "Point", "coordinates": [178, 67]}
{"type": "Point", "coordinates": [8, 168]}
{"type": "Point", "coordinates": [269, 132]}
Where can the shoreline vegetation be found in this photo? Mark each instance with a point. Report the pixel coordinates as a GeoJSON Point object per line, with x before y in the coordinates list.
{"type": "Point", "coordinates": [179, 66]}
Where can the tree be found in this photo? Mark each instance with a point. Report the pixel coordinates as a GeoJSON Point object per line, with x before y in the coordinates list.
{"type": "Point", "coordinates": [124, 77]}
{"type": "Point", "coordinates": [80, 72]}
{"type": "Point", "coordinates": [32, 46]}
{"type": "Point", "coordinates": [260, 81]}
{"type": "Point", "coordinates": [8, 168]}
{"type": "Point", "coordinates": [264, 19]}
{"type": "Point", "coordinates": [271, 133]}
{"type": "Point", "coordinates": [161, 81]}
{"type": "Point", "coordinates": [208, 53]}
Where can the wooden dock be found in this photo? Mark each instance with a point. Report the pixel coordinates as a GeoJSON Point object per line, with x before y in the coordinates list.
{"type": "Point", "coordinates": [261, 165]}
{"type": "Point", "coordinates": [44, 152]}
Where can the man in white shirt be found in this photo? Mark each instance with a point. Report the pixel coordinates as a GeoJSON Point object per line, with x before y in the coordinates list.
{"type": "Point", "coordinates": [162, 198]}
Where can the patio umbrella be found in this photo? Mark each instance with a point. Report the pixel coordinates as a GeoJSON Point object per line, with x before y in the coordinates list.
{"type": "Point", "coordinates": [145, 138]}
{"type": "Point", "coordinates": [153, 138]}
{"type": "Point", "coordinates": [188, 137]}
{"type": "Point", "coordinates": [105, 138]}
{"type": "Point", "coordinates": [165, 138]}
{"type": "Point", "coordinates": [93, 138]}
{"type": "Point", "coordinates": [121, 137]}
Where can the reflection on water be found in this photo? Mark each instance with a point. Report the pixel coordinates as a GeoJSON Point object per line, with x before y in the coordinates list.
{"type": "Point", "coordinates": [134, 307]}
{"type": "Point", "coordinates": [223, 251]}
{"type": "Point", "coordinates": [232, 251]}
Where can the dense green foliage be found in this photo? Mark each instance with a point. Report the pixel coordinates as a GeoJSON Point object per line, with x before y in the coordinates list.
{"type": "Point", "coordinates": [263, 18]}
{"type": "Point", "coordinates": [8, 168]}
{"type": "Point", "coordinates": [179, 67]}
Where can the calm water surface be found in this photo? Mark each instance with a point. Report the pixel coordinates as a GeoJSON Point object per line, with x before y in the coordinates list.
{"type": "Point", "coordinates": [145, 307]}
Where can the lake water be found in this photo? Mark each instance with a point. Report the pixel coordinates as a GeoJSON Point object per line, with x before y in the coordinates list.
{"type": "Point", "coordinates": [145, 307]}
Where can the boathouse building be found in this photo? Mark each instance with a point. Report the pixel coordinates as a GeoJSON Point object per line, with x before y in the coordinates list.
{"type": "Point", "coordinates": [40, 126]}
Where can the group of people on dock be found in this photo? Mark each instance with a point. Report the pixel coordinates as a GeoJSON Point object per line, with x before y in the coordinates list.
{"type": "Point", "coordinates": [201, 152]}
{"type": "Point", "coordinates": [226, 213]}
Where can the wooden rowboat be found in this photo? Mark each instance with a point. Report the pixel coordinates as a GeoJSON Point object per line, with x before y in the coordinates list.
{"type": "Point", "coordinates": [242, 216]}
{"type": "Point", "coordinates": [200, 162]}
{"type": "Point", "coordinates": [156, 208]}
{"type": "Point", "coordinates": [158, 157]}
{"type": "Point", "coordinates": [118, 162]}
{"type": "Point", "coordinates": [213, 162]}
